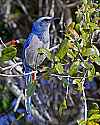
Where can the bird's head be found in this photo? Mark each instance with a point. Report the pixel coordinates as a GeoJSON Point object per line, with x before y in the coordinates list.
{"type": "Point", "coordinates": [42, 24]}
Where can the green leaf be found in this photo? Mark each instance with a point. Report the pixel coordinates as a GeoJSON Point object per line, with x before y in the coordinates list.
{"type": "Point", "coordinates": [88, 17]}
{"type": "Point", "coordinates": [65, 83]}
{"type": "Point", "coordinates": [59, 68]}
{"type": "Point", "coordinates": [96, 50]}
{"type": "Point", "coordinates": [97, 60]}
{"type": "Point", "coordinates": [87, 65]}
{"type": "Point", "coordinates": [5, 103]}
{"type": "Point", "coordinates": [94, 117]}
{"type": "Point", "coordinates": [62, 107]}
{"type": "Point", "coordinates": [90, 51]}
{"type": "Point", "coordinates": [91, 73]}
{"type": "Point", "coordinates": [77, 27]}
{"type": "Point", "coordinates": [8, 53]}
{"type": "Point", "coordinates": [84, 36]}
{"type": "Point", "coordinates": [82, 122]}
{"type": "Point", "coordinates": [31, 88]}
{"type": "Point", "coordinates": [72, 54]}
{"type": "Point", "coordinates": [63, 49]}
{"type": "Point", "coordinates": [84, 1]}
{"type": "Point", "coordinates": [57, 59]}
{"type": "Point", "coordinates": [79, 83]}
{"type": "Point", "coordinates": [74, 68]}
{"type": "Point", "coordinates": [92, 26]}
{"type": "Point", "coordinates": [45, 52]}
{"type": "Point", "coordinates": [91, 70]}
{"type": "Point", "coordinates": [94, 109]}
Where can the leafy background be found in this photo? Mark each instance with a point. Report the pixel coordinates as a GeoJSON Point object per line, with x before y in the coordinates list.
{"type": "Point", "coordinates": [68, 87]}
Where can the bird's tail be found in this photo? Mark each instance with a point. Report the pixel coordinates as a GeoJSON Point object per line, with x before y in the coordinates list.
{"type": "Point", "coordinates": [28, 81]}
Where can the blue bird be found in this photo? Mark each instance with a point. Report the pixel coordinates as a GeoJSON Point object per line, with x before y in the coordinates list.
{"type": "Point", "coordinates": [38, 38]}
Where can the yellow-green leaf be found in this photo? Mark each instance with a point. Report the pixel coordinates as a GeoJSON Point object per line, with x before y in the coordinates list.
{"type": "Point", "coordinates": [97, 60]}
{"type": "Point", "coordinates": [63, 49]}
{"type": "Point", "coordinates": [91, 73]}
{"type": "Point", "coordinates": [45, 52]}
{"type": "Point", "coordinates": [59, 68]}
{"type": "Point", "coordinates": [74, 68]}
{"type": "Point", "coordinates": [94, 117]}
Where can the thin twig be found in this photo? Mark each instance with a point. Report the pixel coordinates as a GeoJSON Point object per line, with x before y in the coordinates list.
{"type": "Point", "coordinates": [47, 7]}
{"type": "Point", "coordinates": [61, 20]}
{"type": "Point", "coordinates": [24, 9]}
{"type": "Point", "coordinates": [8, 9]}
{"type": "Point", "coordinates": [12, 66]}
{"type": "Point", "coordinates": [18, 101]}
{"type": "Point", "coordinates": [64, 6]}
{"type": "Point", "coordinates": [55, 47]}
{"type": "Point", "coordinates": [40, 7]}
{"type": "Point", "coordinates": [84, 97]}
{"type": "Point", "coordinates": [16, 91]}
{"type": "Point", "coordinates": [93, 99]}
{"type": "Point", "coordinates": [3, 42]}
{"type": "Point", "coordinates": [24, 74]}
{"type": "Point", "coordinates": [66, 76]}
{"type": "Point", "coordinates": [52, 8]}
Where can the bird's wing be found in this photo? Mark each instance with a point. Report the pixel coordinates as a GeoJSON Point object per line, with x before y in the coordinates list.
{"type": "Point", "coordinates": [28, 40]}
{"type": "Point", "coordinates": [26, 44]}
{"type": "Point", "coordinates": [31, 45]}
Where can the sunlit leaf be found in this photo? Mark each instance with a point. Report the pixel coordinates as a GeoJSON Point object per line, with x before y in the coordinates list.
{"type": "Point", "coordinates": [96, 50]}
{"type": "Point", "coordinates": [45, 52]}
{"type": "Point", "coordinates": [82, 122]}
{"type": "Point", "coordinates": [79, 83]}
{"type": "Point", "coordinates": [72, 54]}
{"type": "Point", "coordinates": [94, 117]}
{"type": "Point", "coordinates": [63, 49]}
{"type": "Point", "coordinates": [97, 60]}
{"type": "Point", "coordinates": [91, 70]}
{"type": "Point", "coordinates": [90, 51]}
{"type": "Point", "coordinates": [94, 109]}
{"type": "Point", "coordinates": [91, 73]}
{"type": "Point", "coordinates": [92, 26]}
{"type": "Point", "coordinates": [84, 1]}
{"type": "Point", "coordinates": [74, 68]}
{"type": "Point", "coordinates": [84, 36]}
{"type": "Point", "coordinates": [57, 59]}
{"type": "Point", "coordinates": [88, 17]}
{"type": "Point", "coordinates": [77, 27]}
{"type": "Point", "coordinates": [59, 68]}
{"type": "Point", "coordinates": [62, 107]}
{"type": "Point", "coordinates": [92, 123]}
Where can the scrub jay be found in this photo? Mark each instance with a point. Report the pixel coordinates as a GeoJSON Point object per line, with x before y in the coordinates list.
{"type": "Point", "coordinates": [38, 38]}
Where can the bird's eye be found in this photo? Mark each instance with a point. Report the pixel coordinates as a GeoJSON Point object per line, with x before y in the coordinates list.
{"type": "Point", "coordinates": [46, 20]}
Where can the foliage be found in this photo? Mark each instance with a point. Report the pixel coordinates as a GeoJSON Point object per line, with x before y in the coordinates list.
{"type": "Point", "coordinates": [80, 51]}
{"type": "Point", "coordinates": [77, 52]}
{"type": "Point", "coordinates": [8, 53]}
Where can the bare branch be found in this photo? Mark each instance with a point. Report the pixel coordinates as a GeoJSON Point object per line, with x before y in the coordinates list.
{"type": "Point", "coordinates": [47, 7]}
{"type": "Point", "coordinates": [24, 9]}
{"type": "Point", "coordinates": [63, 5]}
{"type": "Point", "coordinates": [40, 7]}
